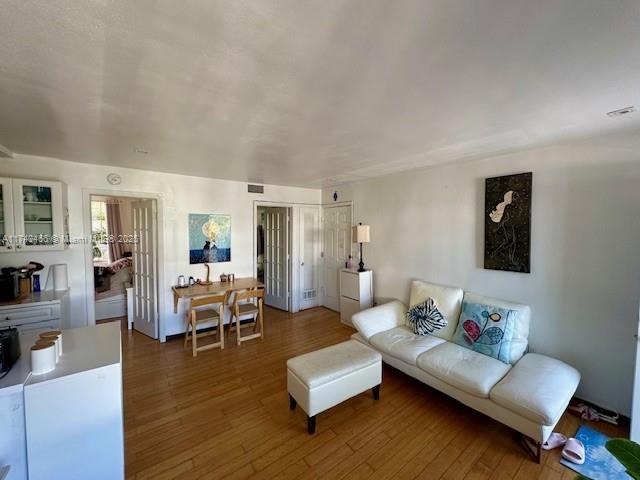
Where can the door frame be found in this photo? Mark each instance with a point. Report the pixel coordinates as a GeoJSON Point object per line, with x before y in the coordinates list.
{"type": "Point", "coordinates": [345, 203]}
{"type": "Point", "coordinates": [88, 251]}
{"type": "Point", "coordinates": [294, 243]}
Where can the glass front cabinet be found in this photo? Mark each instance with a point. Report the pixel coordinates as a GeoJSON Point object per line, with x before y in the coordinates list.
{"type": "Point", "coordinates": [33, 215]}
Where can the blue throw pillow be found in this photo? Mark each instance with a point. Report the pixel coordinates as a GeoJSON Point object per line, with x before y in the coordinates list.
{"type": "Point", "coordinates": [425, 318]}
{"type": "Point", "coordinates": [486, 329]}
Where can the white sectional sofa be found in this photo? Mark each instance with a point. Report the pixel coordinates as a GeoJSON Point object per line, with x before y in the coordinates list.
{"type": "Point", "coordinates": [529, 395]}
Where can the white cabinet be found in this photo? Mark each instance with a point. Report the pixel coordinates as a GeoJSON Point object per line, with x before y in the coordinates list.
{"type": "Point", "coordinates": [13, 440]}
{"type": "Point", "coordinates": [40, 311]}
{"type": "Point", "coordinates": [33, 215]}
{"type": "Point", "coordinates": [74, 415]}
{"type": "Point", "coordinates": [356, 293]}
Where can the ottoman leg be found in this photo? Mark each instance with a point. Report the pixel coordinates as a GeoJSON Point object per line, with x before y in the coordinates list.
{"type": "Point", "coordinates": [292, 402]}
{"type": "Point", "coordinates": [376, 392]}
{"type": "Point", "coordinates": [311, 425]}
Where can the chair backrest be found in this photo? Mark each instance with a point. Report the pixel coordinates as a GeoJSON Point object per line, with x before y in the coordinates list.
{"type": "Point", "coordinates": [208, 300]}
{"type": "Point", "coordinates": [249, 294]}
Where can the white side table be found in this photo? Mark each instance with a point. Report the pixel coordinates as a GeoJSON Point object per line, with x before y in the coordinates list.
{"type": "Point", "coordinates": [356, 293]}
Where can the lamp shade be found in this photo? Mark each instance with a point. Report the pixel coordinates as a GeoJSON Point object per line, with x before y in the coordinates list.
{"type": "Point", "coordinates": [361, 234]}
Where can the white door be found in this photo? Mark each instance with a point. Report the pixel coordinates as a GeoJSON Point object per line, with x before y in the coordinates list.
{"type": "Point", "coordinates": [635, 407]}
{"type": "Point", "coordinates": [335, 251]}
{"type": "Point", "coordinates": [276, 257]}
{"type": "Point", "coordinates": [145, 290]}
{"type": "Point", "coordinates": [309, 256]}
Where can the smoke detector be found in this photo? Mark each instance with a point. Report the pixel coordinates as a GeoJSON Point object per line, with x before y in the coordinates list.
{"type": "Point", "coordinates": [621, 111]}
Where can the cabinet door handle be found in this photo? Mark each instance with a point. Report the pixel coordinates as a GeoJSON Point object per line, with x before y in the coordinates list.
{"type": "Point", "coordinates": [18, 246]}
{"type": "Point", "coordinates": [8, 247]}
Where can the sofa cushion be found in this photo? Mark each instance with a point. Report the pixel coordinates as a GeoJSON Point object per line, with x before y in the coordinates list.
{"type": "Point", "coordinates": [486, 329]}
{"type": "Point", "coordinates": [378, 319]}
{"type": "Point", "coordinates": [448, 300]}
{"type": "Point", "coordinates": [425, 318]}
{"type": "Point", "coordinates": [462, 368]}
{"type": "Point", "coordinates": [520, 337]}
{"type": "Point", "coordinates": [538, 388]}
{"type": "Point", "coordinates": [403, 344]}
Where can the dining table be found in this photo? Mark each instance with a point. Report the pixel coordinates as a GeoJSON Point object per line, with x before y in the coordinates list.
{"type": "Point", "coordinates": [199, 289]}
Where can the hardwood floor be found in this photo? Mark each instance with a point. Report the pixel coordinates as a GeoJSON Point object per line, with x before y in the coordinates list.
{"type": "Point", "coordinates": [225, 414]}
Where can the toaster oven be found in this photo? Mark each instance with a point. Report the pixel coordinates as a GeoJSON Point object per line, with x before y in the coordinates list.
{"type": "Point", "coordinates": [9, 349]}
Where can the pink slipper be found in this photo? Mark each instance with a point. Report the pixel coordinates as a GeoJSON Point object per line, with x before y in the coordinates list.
{"type": "Point", "coordinates": [555, 440]}
{"type": "Point", "coordinates": [573, 451]}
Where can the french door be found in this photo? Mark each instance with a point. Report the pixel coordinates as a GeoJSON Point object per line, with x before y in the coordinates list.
{"type": "Point", "coordinates": [276, 256]}
{"type": "Point", "coordinates": [145, 274]}
{"type": "Point", "coordinates": [335, 251]}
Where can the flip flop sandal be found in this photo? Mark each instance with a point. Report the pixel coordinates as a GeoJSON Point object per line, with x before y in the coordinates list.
{"type": "Point", "coordinates": [573, 451]}
{"type": "Point", "coordinates": [555, 440]}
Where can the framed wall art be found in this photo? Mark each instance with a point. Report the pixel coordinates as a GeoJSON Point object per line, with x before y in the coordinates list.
{"type": "Point", "coordinates": [507, 223]}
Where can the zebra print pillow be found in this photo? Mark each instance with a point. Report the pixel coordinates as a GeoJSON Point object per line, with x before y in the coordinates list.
{"type": "Point", "coordinates": [425, 318]}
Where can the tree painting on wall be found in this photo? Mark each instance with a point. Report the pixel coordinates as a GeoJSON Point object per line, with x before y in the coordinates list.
{"type": "Point", "coordinates": [209, 238]}
{"type": "Point", "coordinates": [507, 223]}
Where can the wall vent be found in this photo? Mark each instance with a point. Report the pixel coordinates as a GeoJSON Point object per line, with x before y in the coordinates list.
{"type": "Point", "coordinates": [256, 188]}
{"type": "Point", "coordinates": [308, 294]}
{"type": "Point", "coordinates": [621, 111]}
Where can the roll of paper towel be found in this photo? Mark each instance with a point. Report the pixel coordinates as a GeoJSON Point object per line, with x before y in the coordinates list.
{"type": "Point", "coordinates": [60, 276]}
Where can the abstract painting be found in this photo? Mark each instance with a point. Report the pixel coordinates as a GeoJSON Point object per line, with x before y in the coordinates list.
{"type": "Point", "coordinates": [507, 223]}
{"type": "Point", "coordinates": [209, 238]}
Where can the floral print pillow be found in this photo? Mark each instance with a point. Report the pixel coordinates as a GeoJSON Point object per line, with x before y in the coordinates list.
{"type": "Point", "coordinates": [487, 330]}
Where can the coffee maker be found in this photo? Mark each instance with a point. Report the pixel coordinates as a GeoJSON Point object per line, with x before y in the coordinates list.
{"type": "Point", "coordinates": [9, 284]}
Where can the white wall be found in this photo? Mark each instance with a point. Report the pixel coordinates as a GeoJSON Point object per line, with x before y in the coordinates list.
{"type": "Point", "coordinates": [584, 282]}
{"type": "Point", "coordinates": [179, 196]}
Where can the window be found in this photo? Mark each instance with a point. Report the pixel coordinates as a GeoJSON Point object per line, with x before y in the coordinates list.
{"type": "Point", "coordinates": [99, 230]}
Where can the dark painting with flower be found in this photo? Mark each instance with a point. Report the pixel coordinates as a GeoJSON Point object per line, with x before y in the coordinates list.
{"type": "Point", "coordinates": [507, 223]}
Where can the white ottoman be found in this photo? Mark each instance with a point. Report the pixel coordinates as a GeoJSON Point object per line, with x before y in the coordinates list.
{"type": "Point", "coordinates": [322, 379]}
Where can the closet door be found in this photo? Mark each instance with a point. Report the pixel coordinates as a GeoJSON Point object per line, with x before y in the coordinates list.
{"type": "Point", "coordinates": [336, 249]}
{"type": "Point", "coordinates": [7, 231]}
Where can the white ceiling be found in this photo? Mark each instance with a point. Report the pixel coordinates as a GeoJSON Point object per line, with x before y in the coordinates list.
{"type": "Point", "coordinates": [305, 92]}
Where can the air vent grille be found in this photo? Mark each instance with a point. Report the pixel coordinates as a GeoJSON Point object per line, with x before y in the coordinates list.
{"type": "Point", "coordinates": [309, 294]}
{"type": "Point", "coordinates": [622, 111]}
{"type": "Point", "coordinates": [256, 188]}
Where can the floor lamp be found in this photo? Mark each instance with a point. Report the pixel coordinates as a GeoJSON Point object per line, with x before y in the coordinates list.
{"type": "Point", "coordinates": [361, 235]}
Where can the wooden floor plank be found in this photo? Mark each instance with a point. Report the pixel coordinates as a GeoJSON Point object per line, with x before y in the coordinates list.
{"type": "Point", "coordinates": [225, 414]}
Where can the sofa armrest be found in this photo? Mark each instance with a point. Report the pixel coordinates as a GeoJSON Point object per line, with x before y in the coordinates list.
{"type": "Point", "coordinates": [379, 319]}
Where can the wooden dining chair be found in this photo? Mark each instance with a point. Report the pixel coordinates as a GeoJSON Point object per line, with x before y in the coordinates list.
{"type": "Point", "coordinates": [242, 309]}
{"type": "Point", "coordinates": [201, 310]}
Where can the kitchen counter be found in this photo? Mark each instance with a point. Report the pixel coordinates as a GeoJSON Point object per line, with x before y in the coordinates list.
{"type": "Point", "coordinates": [83, 349]}
{"type": "Point", "coordinates": [36, 297]}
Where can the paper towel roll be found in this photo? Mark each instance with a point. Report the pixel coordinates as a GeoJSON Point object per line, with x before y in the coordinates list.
{"type": "Point", "coordinates": [60, 277]}
{"type": "Point", "coordinates": [43, 358]}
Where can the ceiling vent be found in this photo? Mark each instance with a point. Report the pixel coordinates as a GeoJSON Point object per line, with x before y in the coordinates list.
{"type": "Point", "coordinates": [256, 188]}
{"type": "Point", "coordinates": [622, 111]}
